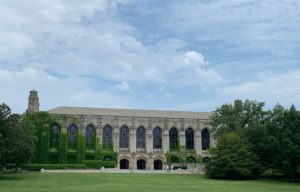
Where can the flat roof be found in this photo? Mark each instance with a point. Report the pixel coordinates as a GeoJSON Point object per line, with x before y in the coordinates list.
{"type": "Point", "coordinates": [129, 112]}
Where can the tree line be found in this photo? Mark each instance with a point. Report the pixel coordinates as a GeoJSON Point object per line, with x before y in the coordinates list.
{"type": "Point", "coordinates": [252, 141]}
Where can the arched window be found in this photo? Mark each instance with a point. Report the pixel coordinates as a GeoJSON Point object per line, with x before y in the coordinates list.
{"type": "Point", "coordinates": [141, 137]}
{"type": "Point", "coordinates": [205, 139]}
{"type": "Point", "coordinates": [54, 136]}
{"type": "Point", "coordinates": [72, 136]}
{"type": "Point", "coordinates": [173, 137]}
{"type": "Point", "coordinates": [157, 138]}
{"type": "Point", "coordinates": [124, 137]}
{"type": "Point", "coordinates": [189, 138]}
{"type": "Point", "coordinates": [90, 137]}
{"type": "Point", "coordinates": [107, 137]}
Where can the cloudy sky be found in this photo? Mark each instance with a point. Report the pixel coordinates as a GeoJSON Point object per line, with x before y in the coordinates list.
{"type": "Point", "coordinates": [151, 54]}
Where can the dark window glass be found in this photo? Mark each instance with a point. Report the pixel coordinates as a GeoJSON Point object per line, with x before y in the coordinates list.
{"type": "Point", "coordinates": [54, 136]}
{"type": "Point", "coordinates": [124, 137]}
{"type": "Point", "coordinates": [107, 136]}
{"type": "Point", "coordinates": [124, 164]}
{"type": "Point", "coordinates": [205, 139]}
{"type": "Point", "coordinates": [189, 139]}
{"type": "Point", "coordinates": [72, 136]}
{"type": "Point", "coordinates": [173, 136]}
{"type": "Point", "coordinates": [90, 137]}
{"type": "Point", "coordinates": [157, 138]}
{"type": "Point", "coordinates": [141, 138]}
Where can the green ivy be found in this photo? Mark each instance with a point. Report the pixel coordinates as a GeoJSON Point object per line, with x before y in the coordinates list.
{"type": "Point", "coordinates": [42, 122]}
{"type": "Point", "coordinates": [80, 148]}
{"type": "Point", "coordinates": [63, 147]}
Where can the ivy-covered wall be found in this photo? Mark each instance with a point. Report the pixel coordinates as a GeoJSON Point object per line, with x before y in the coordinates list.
{"type": "Point", "coordinates": [43, 121]}
{"type": "Point", "coordinates": [183, 155]}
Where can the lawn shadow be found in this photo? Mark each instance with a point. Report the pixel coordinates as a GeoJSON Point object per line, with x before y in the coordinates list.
{"type": "Point", "coordinates": [10, 176]}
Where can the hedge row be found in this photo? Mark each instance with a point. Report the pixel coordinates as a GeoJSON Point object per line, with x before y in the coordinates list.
{"type": "Point", "coordinates": [52, 166]}
{"type": "Point", "coordinates": [97, 164]}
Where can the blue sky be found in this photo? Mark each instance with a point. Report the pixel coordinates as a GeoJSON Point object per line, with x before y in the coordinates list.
{"type": "Point", "coordinates": [149, 54]}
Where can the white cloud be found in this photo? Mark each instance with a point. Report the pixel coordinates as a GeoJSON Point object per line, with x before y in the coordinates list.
{"type": "Point", "coordinates": [269, 87]}
{"type": "Point", "coordinates": [123, 86]}
{"type": "Point", "coordinates": [87, 38]}
{"type": "Point", "coordinates": [53, 91]}
{"type": "Point", "coordinates": [193, 58]}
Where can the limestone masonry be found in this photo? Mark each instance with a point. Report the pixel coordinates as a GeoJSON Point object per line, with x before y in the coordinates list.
{"type": "Point", "coordinates": [141, 138]}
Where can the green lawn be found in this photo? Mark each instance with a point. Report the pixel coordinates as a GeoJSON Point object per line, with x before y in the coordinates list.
{"type": "Point", "coordinates": [32, 182]}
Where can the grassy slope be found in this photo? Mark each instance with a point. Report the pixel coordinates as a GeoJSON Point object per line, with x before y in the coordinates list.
{"type": "Point", "coordinates": [135, 182]}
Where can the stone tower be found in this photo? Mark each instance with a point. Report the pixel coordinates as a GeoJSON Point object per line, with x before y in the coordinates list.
{"type": "Point", "coordinates": [33, 102]}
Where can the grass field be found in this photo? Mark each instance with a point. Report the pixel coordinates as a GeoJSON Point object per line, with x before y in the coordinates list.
{"type": "Point", "coordinates": [33, 182]}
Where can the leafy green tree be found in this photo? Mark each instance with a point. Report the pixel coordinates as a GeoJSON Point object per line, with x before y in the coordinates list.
{"type": "Point", "coordinates": [246, 120]}
{"type": "Point", "coordinates": [238, 117]}
{"type": "Point", "coordinates": [267, 140]}
{"type": "Point", "coordinates": [232, 159]}
{"type": "Point", "coordinates": [290, 142]}
{"type": "Point", "coordinates": [17, 142]}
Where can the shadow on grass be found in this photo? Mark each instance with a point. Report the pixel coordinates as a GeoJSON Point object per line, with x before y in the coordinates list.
{"type": "Point", "coordinates": [280, 179]}
{"type": "Point", "coordinates": [10, 176]}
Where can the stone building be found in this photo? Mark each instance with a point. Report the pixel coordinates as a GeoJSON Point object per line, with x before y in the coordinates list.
{"type": "Point", "coordinates": [141, 138]}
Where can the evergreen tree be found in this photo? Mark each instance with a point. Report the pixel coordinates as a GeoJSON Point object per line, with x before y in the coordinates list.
{"type": "Point", "coordinates": [232, 159]}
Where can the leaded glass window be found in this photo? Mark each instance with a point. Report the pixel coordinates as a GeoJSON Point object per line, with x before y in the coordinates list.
{"type": "Point", "coordinates": [72, 136]}
{"type": "Point", "coordinates": [124, 137]}
{"type": "Point", "coordinates": [189, 138]}
{"type": "Point", "coordinates": [173, 137]}
{"type": "Point", "coordinates": [205, 136]}
{"type": "Point", "coordinates": [157, 138]}
{"type": "Point", "coordinates": [141, 138]}
{"type": "Point", "coordinates": [90, 137]}
{"type": "Point", "coordinates": [54, 136]}
{"type": "Point", "coordinates": [107, 136]}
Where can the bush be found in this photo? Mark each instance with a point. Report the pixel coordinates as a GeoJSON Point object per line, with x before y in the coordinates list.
{"type": "Point", "coordinates": [36, 167]}
{"type": "Point", "coordinates": [97, 164]}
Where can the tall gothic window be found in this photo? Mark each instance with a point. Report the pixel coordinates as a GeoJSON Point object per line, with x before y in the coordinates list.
{"type": "Point", "coordinates": [124, 137]}
{"type": "Point", "coordinates": [54, 136]}
{"type": "Point", "coordinates": [173, 136]}
{"type": "Point", "coordinates": [205, 136]}
{"type": "Point", "coordinates": [107, 136]}
{"type": "Point", "coordinates": [157, 138]}
{"type": "Point", "coordinates": [90, 137]}
{"type": "Point", "coordinates": [141, 138]}
{"type": "Point", "coordinates": [72, 136]}
{"type": "Point", "coordinates": [189, 138]}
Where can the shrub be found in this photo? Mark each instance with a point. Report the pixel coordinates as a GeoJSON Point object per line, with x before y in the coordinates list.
{"type": "Point", "coordinates": [97, 164]}
{"type": "Point", "coordinates": [35, 167]}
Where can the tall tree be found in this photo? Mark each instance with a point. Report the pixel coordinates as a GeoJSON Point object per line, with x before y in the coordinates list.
{"type": "Point", "coordinates": [243, 122]}
{"type": "Point", "coordinates": [17, 142]}
{"type": "Point", "coordinates": [290, 142]}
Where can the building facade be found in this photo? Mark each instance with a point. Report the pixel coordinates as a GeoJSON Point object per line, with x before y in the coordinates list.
{"type": "Point", "coordinates": [142, 139]}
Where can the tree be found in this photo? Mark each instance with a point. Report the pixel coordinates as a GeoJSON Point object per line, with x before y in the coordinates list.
{"type": "Point", "coordinates": [290, 142]}
{"type": "Point", "coordinates": [267, 140]}
{"type": "Point", "coordinates": [17, 142]}
{"type": "Point", "coordinates": [232, 159]}
{"type": "Point", "coordinates": [244, 122]}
